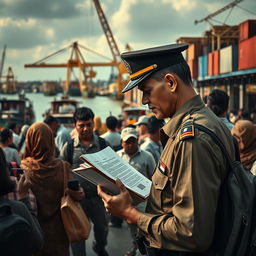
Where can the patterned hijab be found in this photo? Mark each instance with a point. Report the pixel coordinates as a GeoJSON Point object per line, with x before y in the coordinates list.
{"type": "Point", "coordinates": [245, 132]}
{"type": "Point", "coordinates": [40, 148]}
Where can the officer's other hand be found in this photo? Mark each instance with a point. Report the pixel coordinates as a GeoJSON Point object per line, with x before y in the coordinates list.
{"type": "Point", "coordinates": [117, 205]}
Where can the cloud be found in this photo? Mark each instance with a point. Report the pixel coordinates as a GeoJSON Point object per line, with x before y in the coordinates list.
{"type": "Point", "coordinates": [39, 9]}
{"type": "Point", "coordinates": [32, 29]}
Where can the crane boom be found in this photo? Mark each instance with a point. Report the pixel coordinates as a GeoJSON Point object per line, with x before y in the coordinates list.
{"type": "Point", "coordinates": [108, 33]}
{"type": "Point", "coordinates": [228, 6]}
{"type": "Point", "coordinates": [2, 61]}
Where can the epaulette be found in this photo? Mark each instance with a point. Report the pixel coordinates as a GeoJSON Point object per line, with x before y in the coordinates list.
{"type": "Point", "coordinates": [187, 130]}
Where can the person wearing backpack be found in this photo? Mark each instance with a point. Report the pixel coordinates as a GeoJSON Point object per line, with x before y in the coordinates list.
{"type": "Point", "coordinates": [86, 142]}
{"type": "Point", "coordinates": [180, 216]}
{"type": "Point", "coordinates": [20, 232]}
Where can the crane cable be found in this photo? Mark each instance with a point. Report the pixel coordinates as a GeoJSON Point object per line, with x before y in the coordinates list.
{"type": "Point", "coordinates": [254, 13]}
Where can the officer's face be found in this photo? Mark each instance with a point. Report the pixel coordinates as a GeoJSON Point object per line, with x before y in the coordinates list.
{"type": "Point", "coordinates": [85, 128]}
{"type": "Point", "coordinates": [159, 96]}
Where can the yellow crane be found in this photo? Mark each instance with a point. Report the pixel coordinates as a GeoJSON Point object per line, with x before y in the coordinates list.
{"type": "Point", "coordinates": [76, 59]}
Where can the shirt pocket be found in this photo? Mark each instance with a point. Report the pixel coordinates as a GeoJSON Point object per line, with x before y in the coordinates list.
{"type": "Point", "coordinates": [159, 183]}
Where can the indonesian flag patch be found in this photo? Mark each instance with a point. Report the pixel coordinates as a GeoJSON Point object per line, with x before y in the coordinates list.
{"type": "Point", "coordinates": [162, 167]}
{"type": "Point", "coordinates": [187, 132]}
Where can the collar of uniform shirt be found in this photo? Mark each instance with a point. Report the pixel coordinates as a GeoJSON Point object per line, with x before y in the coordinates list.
{"type": "Point", "coordinates": [94, 141]}
{"type": "Point", "coordinates": [194, 104]}
{"type": "Point", "coordinates": [138, 152]}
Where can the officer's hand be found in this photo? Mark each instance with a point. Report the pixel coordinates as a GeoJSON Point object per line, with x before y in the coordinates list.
{"type": "Point", "coordinates": [118, 205]}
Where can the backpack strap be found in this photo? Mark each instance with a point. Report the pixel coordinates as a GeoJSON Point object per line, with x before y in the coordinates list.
{"type": "Point", "coordinates": [102, 143]}
{"type": "Point", "coordinates": [70, 151]}
{"type": "Point", "coordinates": [217, 140]}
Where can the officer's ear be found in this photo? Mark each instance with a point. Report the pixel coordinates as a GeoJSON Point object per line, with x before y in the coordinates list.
{"type": "Point", "coordinates": [171, 80]}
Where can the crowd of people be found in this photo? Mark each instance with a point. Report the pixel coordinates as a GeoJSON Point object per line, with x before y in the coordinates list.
{"type": "Point", "coordinates": [45, 151]}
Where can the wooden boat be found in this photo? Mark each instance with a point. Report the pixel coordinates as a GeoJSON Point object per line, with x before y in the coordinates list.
{"type": "Point", "coordinates": [16, 110]}
{"type": "Point", "coordinates": [63, 109]}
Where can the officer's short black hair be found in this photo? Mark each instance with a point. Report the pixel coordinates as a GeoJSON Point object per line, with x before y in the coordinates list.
{"type": "Point", "coordinates": [218, 101]}
{"type": "Point", "coordinates": [181, 70]}
{"type": "Point", "coordinates": [83, 114]}
{"type": "Point", "coordinates": [50, 120]}
{"type": "Point", "coordinates": [111, 122]}
{"type": "Point", "coordinates": [5, 135]}
{"type": "Point", "coordinates": [154, 124]}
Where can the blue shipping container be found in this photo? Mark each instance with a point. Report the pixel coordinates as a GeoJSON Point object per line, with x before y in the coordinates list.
{"type": "Point", "coordinates": [203, 66]}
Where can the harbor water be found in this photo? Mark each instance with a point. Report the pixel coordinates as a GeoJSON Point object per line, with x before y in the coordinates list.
{"type": "Point", "coordinates": [101, 106]}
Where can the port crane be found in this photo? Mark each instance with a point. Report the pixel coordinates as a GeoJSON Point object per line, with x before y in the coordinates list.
{"type": "Point", "coordinates": [226, 33]}
{"type": "Point", "coordinates": [76, 59]}
{"type": "Point", "coordinates": [113, 48]}
{"type": "Point", "coordinates": [10, 84]}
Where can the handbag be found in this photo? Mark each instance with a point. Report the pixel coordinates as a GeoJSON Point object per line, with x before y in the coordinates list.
{"type": "Point", "coordinates": [76, 223]}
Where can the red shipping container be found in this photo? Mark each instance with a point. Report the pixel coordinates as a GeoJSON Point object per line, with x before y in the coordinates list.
{"type": "Point", "coordinates": [216, 62]}
{"type": "Point", "coordinates": [247, 29]}
{"type": "Point", "coordinates": [193, 65]}
{"type": "Point", "coordinates": [247, 54]}
{"type": "Point", "coordinates": [194, 51]}
{"type": "Point", "coordinates": [210, 64]}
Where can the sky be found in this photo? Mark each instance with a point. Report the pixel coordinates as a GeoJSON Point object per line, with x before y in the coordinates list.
{"type": "Point", "coordinates": [34, 29]}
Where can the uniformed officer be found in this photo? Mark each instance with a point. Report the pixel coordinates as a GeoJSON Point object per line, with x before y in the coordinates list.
{"type": "Point", "coordinates": [181, 209]}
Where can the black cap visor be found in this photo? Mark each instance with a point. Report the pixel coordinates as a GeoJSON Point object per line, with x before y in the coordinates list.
{"type": "Point", "coordinates": [134, 83]}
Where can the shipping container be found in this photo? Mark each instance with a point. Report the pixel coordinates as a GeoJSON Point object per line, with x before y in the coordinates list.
{"type": "Point", "coordinates": [193, 65]}
{"type": "Point", "coordinates": [194, 51]}
{"type": "Point", "coordinates": [247, 54]}
{"type": "Point", "coordinates": [203, 66]}
{"type": "Point", "coordinates": [228, 59]}
{"type": "Point", "coordinates": [216, 62]}
{"type": "Point", "coordinates": [247, 29]}
{"type": "Point", "coordinates": [210, 64]}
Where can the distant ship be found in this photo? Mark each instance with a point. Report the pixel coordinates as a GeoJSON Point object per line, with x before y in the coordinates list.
{"type": "Point", "coordinates": [50, 88]}
{"type": "Point", "coordinates": [16, 110]}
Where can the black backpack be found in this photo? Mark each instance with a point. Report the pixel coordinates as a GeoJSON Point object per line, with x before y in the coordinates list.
{"type": "Point", "coordinates": [70, 148]}
{"type": "Point", "coordinates": [15, 232]}
{"type": "Point", "coordinates": [235, 233]}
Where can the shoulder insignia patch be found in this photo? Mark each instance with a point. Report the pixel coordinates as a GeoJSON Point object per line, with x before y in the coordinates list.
{"type": "Point", "coordinates": [187, 132]}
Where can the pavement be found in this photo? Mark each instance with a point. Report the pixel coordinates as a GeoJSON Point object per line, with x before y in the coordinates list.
{"type": "Point", "coordinates": [119, 241]}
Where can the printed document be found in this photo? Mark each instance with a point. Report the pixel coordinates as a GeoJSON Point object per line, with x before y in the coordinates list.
{"type": "Point", "coordinates": [105, 166]}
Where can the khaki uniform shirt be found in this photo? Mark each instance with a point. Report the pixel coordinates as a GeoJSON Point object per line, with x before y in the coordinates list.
{"type": "Point", "coordinates": [181, 209]}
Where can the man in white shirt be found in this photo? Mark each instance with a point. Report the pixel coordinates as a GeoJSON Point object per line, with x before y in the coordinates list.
{"type": "Point", "coordinates": [60, 132]}
{"type": "Point", "coordinates": [112, 136]}
{"type": "Point", "coordinates": [142, 161]}
{"type": "Point", "coordinates": [152, 143]}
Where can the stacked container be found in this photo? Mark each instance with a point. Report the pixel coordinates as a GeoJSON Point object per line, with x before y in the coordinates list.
{"type": "Point", "coordinates": [247, 45]}
{"type": "Point", "coordinates": [203, 66]}
{"type": "Point", "coordinates": [210, 64]}
{"type": "Point", "coordinates": [247, 29]}
{"type": "Point", "coordinates": [228, 59]}
{"type": "Point", "coordinates": [216, 62]}
{"type": "Point", "coordinates": [194, 50]}
{"type": "Point", "coordinates": [247, 54]}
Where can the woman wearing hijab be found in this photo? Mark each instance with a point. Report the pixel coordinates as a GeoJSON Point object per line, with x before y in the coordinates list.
{"type": "Point", "coordinates": [46, 174]}
{"type": "Point", "coordinates": [245, 132]}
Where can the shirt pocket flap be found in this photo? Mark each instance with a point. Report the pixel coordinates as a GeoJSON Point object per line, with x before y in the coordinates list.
{"type": "Point", "coordinates": [159, 180]}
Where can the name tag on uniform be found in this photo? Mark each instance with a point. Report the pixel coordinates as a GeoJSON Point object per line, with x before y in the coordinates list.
{"type": "Point", "coordinates": [162, 167]}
